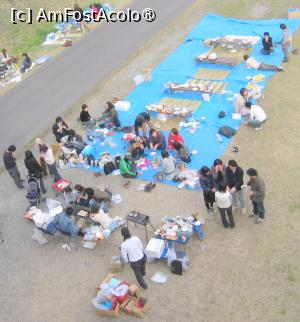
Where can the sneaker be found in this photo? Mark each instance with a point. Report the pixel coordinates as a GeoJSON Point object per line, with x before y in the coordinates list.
{"type": "Point", "coordinates": [252, 215]}
{"type": "Point", "coordinates": [258, 128]}
{"type": "Point", "coordinates": [259, 221]}
{"type": "Point", "coordinates": [244, 211]}
{"type": "Point", "coordinates": [210, 212]}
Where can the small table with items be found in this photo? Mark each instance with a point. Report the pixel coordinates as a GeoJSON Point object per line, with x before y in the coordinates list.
{"type": "Point", "coordinates": [60, 185]}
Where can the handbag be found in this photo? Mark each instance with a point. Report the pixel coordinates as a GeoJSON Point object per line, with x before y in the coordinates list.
{"type": "Point", "coordinates": [109, 167]}
{"type": "Point", "coordinates": [227, 131]}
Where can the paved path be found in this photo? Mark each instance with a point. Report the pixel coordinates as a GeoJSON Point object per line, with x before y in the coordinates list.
{"type": "Point", "coordinates": [32, 106]}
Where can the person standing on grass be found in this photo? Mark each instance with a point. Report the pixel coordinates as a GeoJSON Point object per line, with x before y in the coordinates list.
{"type": "Point", "coordinates": [224, 203]}
{"type": "Point", "coordinates": [257, 195]}
{"type": "Point", "coordinates": [208, 188]}
{"type": "Point", "coordinates": [235, 175]}
{"type": "Point", "coordinates": [286, 41]}
{"type": "Point", "coordinates": [133, 253]}
{"type": "Point", "coordinates": [11, 166]}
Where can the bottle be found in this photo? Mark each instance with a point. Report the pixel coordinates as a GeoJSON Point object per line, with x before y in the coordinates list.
{"type": "Point", "coordinates": [219, 138]}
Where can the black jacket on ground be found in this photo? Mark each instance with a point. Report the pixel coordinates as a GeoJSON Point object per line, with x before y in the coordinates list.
{"type": "Point", "coordinates": [235, 179]}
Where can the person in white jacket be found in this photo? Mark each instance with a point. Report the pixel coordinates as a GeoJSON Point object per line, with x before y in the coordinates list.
{"type": "Point", "coordinates": [47, 154]}
{"type": "Point", "coordinates": [224, 202]}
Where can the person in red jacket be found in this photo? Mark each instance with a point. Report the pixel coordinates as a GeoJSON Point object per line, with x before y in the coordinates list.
{"type": "Point", "coordinates": [174, 136]}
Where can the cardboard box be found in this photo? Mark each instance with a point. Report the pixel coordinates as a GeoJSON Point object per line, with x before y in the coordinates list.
{"type": "Point", "coordinates": [155, 248]}
{"type": "Point", "coordinates": [116, 264]}
{"type": "Point", "coordinates": [294, 14]}
{"type": "Point", "coordinates": [134, 290]}
{"type": "Point", "coordinates": [123, 306]}
{"type": "Point", "coordinates": [140, 312]}
{"type": "Point", "coordinates": [114, 313]}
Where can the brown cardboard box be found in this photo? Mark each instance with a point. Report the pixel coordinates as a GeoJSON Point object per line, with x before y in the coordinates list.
{"type": "Point", "coordinates": [114, 313]}
{"type": "Point", "coordinates": [134, 290]}
{"type": "Point", "coordinates": [116, 265]}
{"type": "Point", "coordinates": [123, 306]}
{"type": "Point", "coordinates": [140, 313]}
{"type": "Point", "coordinates": [294, 14]}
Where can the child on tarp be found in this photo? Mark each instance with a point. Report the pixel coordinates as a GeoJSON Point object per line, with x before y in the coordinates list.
{"type": "Point", "coordinates": [224, 203]}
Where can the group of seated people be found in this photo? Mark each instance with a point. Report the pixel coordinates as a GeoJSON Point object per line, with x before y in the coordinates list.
{"type": "Point", "coordinates": [10, 62]}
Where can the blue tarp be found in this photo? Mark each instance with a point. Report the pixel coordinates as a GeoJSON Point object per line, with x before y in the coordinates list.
{"type": "Point", "coordinates": [180, 66]}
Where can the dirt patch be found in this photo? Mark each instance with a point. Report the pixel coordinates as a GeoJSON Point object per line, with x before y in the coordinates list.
{"type": "Point", "coordinates": [259, 11]}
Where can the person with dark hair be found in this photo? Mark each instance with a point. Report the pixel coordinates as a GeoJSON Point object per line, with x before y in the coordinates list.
{"type": "Point", "coordinates": [64, 223]}
{"type": "Point", "coordinates": [37, 143]}
{"type": "Point", "coordinates": [253, 63]}
{"type": "Point", "coordinates": [235, 180]}
{"type": "Point", "coordinates": [111, 115]}
{"type": "Point", "coordinates": [47, 154]}
{"type": "Point", "coordinates": [286, 41]}
{"type": "Point", "coordinates": [133, 253]}
{"type": "Point", "coordinates": [26, 63]}
{"type": "Point", "coordinates": [267, 43]}
{"type": "Point", "coordinates": [34, 169]}
{"type": "Point", "coordinates": [11, 166]}
{"type": "Point", "coordinates": [257, 195]}
{"type": "Point", "coordinates": [126, 167]}
{"type": "Point", "coordinates": [218, 173]}
{"type": "Point", "coordinates": [174, 136]}
{"type": "Point", "coordinates": [75, 141]}
{"type": "Point", "coordinates": [168, 167]}
{"type": "Point", "coordinates": [60, 129]}
{"type": "Point", "coordinates": [157, 140]}
{"type": "Point", "coordinates": [78, 12]}
{"type": "Point", "coordinates": [224, 203]}
{"type": "Point", "coordinates": [256, 117]}
{"type": "Point", "coordinates": [99, 216]}
{"type": "Point", "coordinates": [183, 151]}
{"type": "Point", "coordinates": [137, 148]}
{"type": "Point", "coordinates": [240, 102]}
{"type": "Point", "coordinates": [142, 121]}
{"type": "Point", "coordinates": [208, 188]}
{"type": "Point", "coordinates": [85, 117]}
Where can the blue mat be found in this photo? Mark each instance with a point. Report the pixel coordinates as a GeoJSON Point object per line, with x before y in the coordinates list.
{"type": "Point", "coordinates": [180, 66]}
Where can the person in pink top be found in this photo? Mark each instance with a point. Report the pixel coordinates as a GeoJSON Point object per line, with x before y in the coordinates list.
{"type": "Point", "coordinates": [174, 136]}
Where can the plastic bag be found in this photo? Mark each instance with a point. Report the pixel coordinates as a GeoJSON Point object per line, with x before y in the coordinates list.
{"type": "Point", "coordinates": [159, 278]}
{"type": "Point", "coordinates": [38, 236]}
{"type": "Point", "coordinates": [116, 199]}
{"type": "Point", "coordinates": [54, 206]}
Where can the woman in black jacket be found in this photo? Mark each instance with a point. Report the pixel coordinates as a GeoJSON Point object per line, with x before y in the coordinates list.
{"type": "Point", "coordinates": [34, 169]}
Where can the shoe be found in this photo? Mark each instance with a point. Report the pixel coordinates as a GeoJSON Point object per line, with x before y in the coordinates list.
{"type": "Point", "coordinates": [232, 226]}
{"type": "Point", "coordinates": [144, 286]}
{"type": "Point", "coordinates": [244, 211]}
{"type": "Point", "coordinates": [213, 209]}
{"type": "Point", "coordinates": [45, 191]}
{"type": "Point", "coordinates": [259, 221]}
{"type": "Point", "coordinates": [258, 128]}
{"type": "Point", "coordinates": [252, 215]}
{"type": "Point", "coordinates": [285, 60]}
{"type": "Point", "coordinates": [210, 211]}
{"type": "Point", "coordinates": [226, 226]}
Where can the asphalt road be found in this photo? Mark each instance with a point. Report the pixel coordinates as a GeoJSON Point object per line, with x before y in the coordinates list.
{"type": "Point", "coordinates": [32, 106]}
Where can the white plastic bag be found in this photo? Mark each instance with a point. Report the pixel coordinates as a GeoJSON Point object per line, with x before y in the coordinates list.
{"type": "Point", "coordinates": [159, 278]}
{"type": "Point", "coordinates": [116, 199]}
{"type": "Point", "coordinates": [54, 206]}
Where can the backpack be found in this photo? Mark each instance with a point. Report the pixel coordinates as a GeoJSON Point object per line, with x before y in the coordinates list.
{"type": "Point", "coordinates": [176, 267]}
{"type": "Point", "coordinates": [222, 114]}
{"type": "Point", "coordinates": [109, 167]}
{"type": "Point", "coordinates": [227, 131]}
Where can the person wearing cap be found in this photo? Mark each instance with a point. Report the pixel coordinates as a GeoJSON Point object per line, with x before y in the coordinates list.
{"type": "Point", "coordinates": [133, 253]}
{"type": "Point", "coordinates": [126, 167]}
{"type": "Point", "coordinates": [11, 166]}
{"type": "Point", "coordinates": [286, 41]}
{"type": "Point", "coordinates": [267, 43]}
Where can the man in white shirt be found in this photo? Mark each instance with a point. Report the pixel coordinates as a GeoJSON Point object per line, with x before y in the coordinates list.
{"type": "Point", "coordinates": [257, 116]}
{"type": "Point", "coordinates": [253, 63]}
{"type": "Point", "coordinates": [286, 41]}
{"type": "Point", "coordinates": [132, 252]}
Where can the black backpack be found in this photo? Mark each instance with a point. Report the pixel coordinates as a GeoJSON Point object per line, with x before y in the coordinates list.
{"type": "Point", "coordinates": [227, 131]}
{"type": "Point", "coordinates": [109, 167]}
{"type": "Point", "coordinates": [176, 267]}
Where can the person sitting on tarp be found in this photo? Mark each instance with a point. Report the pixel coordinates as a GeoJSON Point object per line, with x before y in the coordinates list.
{"type": "Point", "coordinates": [174, 136]}
{"type": "Point", "coordinates": [182, 151]}
{"type": "Point", "coordinates": [241, 101]}
{"type": "Point", "coordinates": [60, 129]}
{"type": "Point", "coordinates": [110, 115]}
{"type": "Point", "coordinates": [137, 148]}
{"type": "Point", "coordinates": [126, 167]}
{"type": "Point", "coordinates": [157, 140]}
{"type": "Point", "coordinates": [142, 121]}
{"type": "Point", "coordinates": [26, 63]}
{"type": "Point", "coordinates": [65, 223]}
{"type": "Point", "coordinates": [267, 43]}
{"type": "Point", "coordinates": [253, 63]}
{"type": "Point", "coordinates": [168, 167]}
{"type": "Point", "coordinates": [257, 116]}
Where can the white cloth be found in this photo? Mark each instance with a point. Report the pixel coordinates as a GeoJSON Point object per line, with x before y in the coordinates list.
{"type": "Point", "coordinates": [252, 63]}
{"type": "Point", "coordinates": [223, 200]}
{"type": "Point", "coordinates": [49, 156]}
{"type": "Point", "coordinates": [132, 249]}
{"type": "Point", "coordinates": [103, 219]}
{"type": "Point", "coordinates": [257, 113]}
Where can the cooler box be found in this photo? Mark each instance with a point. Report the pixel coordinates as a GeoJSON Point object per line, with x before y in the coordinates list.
{"type": "Point", "coordinates": [155, 248]}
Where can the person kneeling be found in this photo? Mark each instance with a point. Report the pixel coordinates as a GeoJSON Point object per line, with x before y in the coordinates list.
{"type": "Point", "coordinates": [257, 116]}
{"type": "Point", "coordinates": [126, 167]}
